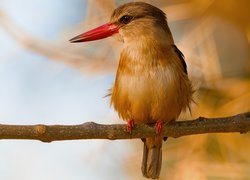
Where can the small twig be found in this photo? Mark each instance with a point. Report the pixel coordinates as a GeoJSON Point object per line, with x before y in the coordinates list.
{"type": "Point", "coordinates": [90, 130]}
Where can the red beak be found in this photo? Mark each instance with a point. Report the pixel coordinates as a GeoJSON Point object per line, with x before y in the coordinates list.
{"type": "Point", "coordinates": [100, 32]}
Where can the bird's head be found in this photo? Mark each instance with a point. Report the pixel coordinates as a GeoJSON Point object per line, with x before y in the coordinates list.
{"type": "Point", "coordinates": [132, 21]}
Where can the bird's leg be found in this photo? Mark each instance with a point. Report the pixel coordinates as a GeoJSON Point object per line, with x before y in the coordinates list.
{"type": "Point", "coordinates": [130, 125]}
{"type": "Point", "coordinates": [158, 126]}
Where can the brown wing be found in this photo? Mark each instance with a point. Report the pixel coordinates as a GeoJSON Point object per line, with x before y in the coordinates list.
{"type": "Point", "coordinates": [181, 57]}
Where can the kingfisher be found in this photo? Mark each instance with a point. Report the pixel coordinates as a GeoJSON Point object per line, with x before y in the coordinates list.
{"type": "Point", "coordinates": [152, 84]}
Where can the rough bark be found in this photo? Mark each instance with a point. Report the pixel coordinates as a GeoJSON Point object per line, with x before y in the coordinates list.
{"type": "Point", "coordinates": [90, 130]}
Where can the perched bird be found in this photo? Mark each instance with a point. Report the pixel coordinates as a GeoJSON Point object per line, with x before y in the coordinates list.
{"type": "Point", "coordinates": [152, 84]}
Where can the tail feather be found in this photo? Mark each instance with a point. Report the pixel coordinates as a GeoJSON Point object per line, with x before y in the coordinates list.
{"type": "Point", "coordinates": [152, 157]}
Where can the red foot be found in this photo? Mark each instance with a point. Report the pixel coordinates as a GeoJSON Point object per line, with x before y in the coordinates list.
{"type": "Point", "coordinates": [158, 126]}
{"type": "Point", "coordinates": [130, 125]}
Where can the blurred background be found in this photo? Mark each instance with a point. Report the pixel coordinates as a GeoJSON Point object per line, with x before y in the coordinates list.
{"type": "Point", "coordinates": [45, 79]}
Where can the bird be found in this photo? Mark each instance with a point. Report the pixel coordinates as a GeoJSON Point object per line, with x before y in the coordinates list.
{"type": "Point", "coordinates": [151, 84]}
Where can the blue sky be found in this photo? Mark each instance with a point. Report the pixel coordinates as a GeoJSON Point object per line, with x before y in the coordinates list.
{"type": "Point", "coordinates": [35, 90]}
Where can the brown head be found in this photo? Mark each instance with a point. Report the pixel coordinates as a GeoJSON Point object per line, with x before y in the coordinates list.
{"type": "Point", "coordinates": [132, 21]}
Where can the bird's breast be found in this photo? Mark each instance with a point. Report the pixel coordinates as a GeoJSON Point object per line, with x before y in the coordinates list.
{"type": "Point", "coordinates": [146, 91]}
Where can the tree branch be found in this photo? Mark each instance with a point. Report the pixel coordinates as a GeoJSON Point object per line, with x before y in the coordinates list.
{"type": "Point", "coordinates": [90, 130]}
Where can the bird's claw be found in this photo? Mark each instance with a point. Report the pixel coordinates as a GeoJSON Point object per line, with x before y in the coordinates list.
{"type": "Point", "coordinates": [130, 126]}
{"type": "Point", "coordinates": [158, 126]}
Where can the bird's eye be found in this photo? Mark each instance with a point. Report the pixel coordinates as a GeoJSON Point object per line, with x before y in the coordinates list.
{"type": "Point", "coordinates": [125, 19]}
